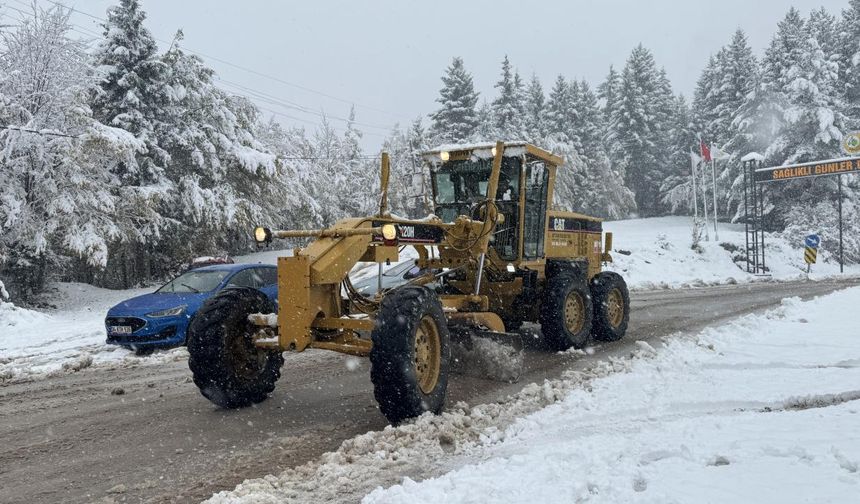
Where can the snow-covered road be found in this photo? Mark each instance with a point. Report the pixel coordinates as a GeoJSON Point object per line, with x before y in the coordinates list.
{"type": "Point", "coordinates": [764, 409]}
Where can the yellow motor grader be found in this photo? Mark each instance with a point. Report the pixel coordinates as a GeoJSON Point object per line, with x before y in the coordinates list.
{"type": "Point", "coordinates": [492, 256]}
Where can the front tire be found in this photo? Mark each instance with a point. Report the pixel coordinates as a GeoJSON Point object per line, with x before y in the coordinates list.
{"type": "Point", "coordinates": [611, 306]}
{"type": "Point", "coordinates": [566, 311]}
{"type": "Point", "coordinates": [227, 368]}
{"type": "Point", "coordinates": [410, 355]}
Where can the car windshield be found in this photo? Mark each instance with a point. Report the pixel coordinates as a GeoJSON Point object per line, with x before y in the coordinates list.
{"type": "Point", "coordinates": [195, 281]}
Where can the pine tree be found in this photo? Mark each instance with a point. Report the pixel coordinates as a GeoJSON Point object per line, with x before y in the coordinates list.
{"type": "Point", "coordinates": [707, 99]}
{"type": "Point", "coordinates": [456, 119]}
{"type": "Point", "coordinates": [588, 182]}
{"type": "Point", "coordinates": [588, 121]}
{"type": "Point", "coordinates": [677, 187]}
{"type": "Point", "coordinates": [360, 192]}
{"type": "Point", "coordinates": [559, 110]}
{"type": "Point", "coordinates": [849, 59]}
{"type": "Point", "coordinates": [133, 89]}
{"type": "Point", "coordinates": [534, 110]}
{"type": "Point", "coordinates": [607, 92]}
{"type": "Point", "coordinates": [507, 108]}
{"type": "Point", "coordinates": [638, 127]}
{"type": "Point", "coordinates": [804, 110]}
{"type": "Point", "coordinates": [486, 129]}
{"type": "Point", "coordinates": [802, 82]}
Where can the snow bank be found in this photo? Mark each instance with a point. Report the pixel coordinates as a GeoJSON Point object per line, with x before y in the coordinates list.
{"type": "Point", "coordinates": [69, 338]}
{"type": "Point", "coordinates": [765, 406]}
{"type": "Point", "coordinates": [656, 253]}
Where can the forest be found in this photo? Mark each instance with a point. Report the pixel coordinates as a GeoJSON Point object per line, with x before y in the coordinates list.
{"type": "Point", "coordinates": [120, 161]}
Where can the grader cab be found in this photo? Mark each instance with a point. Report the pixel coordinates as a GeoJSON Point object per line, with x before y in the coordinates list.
{"type": "Point", "coordinates": [493, 255]}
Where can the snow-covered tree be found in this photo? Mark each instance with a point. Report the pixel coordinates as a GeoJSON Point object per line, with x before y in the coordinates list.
{"type": "Point", "coordinates": [486, 128]}
{"type": "Point", "coordinates": [456, 119]}
{"type": "Point", "coordinates": [607, 93]}
{"type": "Point", "coordinates": [409, 187]}
{"type": "Point", "coordinates": [849, 60]}
{"type": "Point", "coordinates": [588, 182]}
{"type": "Point", "coordinates": [534, 110]}
{"type": "Point", "coordinates": [361, 195]}
{"type": "Point", "coordinates": [560, 111]}
{"type": "Point", "coordinates": [802, 81]}
{"type": "Point", "coordinates": [133, 90]}
{"type": "Point", "coordinates": [55, 159]}
{"type": "Point", "coordinates": [638, 129]}
{"type": "Point", "coordinates": [507, 107]}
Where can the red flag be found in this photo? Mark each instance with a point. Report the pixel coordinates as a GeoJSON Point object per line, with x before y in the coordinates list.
{"type": "Point", "coordinates": [706, 152]}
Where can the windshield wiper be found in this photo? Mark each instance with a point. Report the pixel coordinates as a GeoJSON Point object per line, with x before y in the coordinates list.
{"type": "Point", "coordinates": [190, 287]}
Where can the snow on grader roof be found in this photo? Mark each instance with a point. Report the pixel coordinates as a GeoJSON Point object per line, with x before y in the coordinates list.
{"type": "Point", "coordinates": [484, 150]}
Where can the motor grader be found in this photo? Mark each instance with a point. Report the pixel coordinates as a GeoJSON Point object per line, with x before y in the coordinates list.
{"type": "Point", "coordinates": [491, 256]}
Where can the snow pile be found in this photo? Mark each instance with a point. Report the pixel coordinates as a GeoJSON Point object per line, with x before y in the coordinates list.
{"type": "Point", "coordinates": [417, 448]}
{"type": "Point", "coordinates": [656, 253]}
{"type": "Point", "coordinates": [766, 405]}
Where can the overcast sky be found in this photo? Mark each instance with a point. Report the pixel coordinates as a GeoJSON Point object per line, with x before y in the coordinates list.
{"type": "Point", "coordinates": [387, 56]}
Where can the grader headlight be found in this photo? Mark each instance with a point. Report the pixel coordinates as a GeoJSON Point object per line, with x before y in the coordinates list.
{"type": "Point", "coordinates": [262, 235]}
{"type": "Point", "coordinates": [389, 234]}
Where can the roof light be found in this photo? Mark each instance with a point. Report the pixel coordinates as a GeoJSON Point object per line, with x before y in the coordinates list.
{"type": "Point", "coordinates": [444, 155]}
{"type": "Point", "coordinates": [389, 231]}
{"type": "Point", "coordinates": [262, 235]}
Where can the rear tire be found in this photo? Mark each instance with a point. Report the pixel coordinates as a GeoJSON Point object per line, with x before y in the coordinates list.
{"type": "Point", "coordinates": [611, 306]}
{"type": "Point", "coordinates": [227, 368]}
{"type": "Point", "coordinates": [410, 355]}
{"type": "Point", "coordinates": [566, 310]}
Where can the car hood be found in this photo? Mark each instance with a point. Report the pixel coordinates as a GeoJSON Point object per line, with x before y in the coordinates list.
{"type": "Point", "coordinates": [156, 301]}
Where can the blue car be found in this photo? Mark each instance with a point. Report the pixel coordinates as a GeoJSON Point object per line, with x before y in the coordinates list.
{"type": "Point", "coordinates": [160, 319]}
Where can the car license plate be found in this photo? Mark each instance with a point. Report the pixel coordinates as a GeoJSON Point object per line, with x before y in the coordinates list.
{"type": "Point", "coordinates": [120, 329]}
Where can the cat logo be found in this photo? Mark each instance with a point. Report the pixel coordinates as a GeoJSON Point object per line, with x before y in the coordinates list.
{"type": "Point", "coordinates": [851, 143]}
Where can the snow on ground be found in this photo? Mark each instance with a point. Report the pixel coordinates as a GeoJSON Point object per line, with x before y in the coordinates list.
{"type": "Point", "coordinates": [37, 344]}
{"type": "Point", "coordinates": [763, 409]}
{"type": "Point", "coordinates": [661, 256]}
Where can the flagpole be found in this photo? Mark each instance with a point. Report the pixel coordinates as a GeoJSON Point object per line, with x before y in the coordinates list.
{"type": "Point", "coordinates": [705, 203]}
{"type": "Point", "coordinates": [695, 196]}
{"type": "Point", "coordinates": [714, 177]}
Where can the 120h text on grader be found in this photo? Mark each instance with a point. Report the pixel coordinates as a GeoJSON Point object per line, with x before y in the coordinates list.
{"type": "Point", "coordinates": [493, 256]}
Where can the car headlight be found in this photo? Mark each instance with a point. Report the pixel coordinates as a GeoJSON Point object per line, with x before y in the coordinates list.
{"type": "Point", "coordinates": [170, 312]}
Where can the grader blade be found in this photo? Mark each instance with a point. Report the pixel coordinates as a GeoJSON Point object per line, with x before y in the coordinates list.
{"type": "Point", "coordinates": [487, 354]}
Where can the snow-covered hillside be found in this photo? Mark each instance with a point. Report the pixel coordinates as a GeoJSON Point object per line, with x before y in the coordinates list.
{"type": "Point", "coordinates": [762, 409]}
{"type": "Point", "coordinates": [656, 253]}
